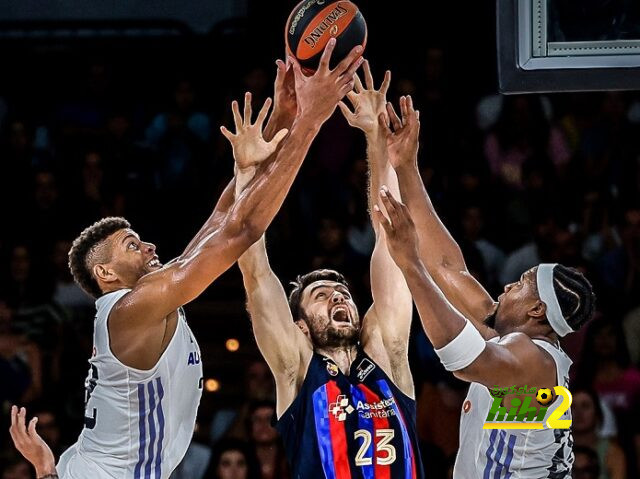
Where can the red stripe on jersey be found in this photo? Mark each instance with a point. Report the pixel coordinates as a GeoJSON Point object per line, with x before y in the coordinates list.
{"type": "Point", "coordinates": [338, 436]}
{"type": "Point", "coordinates": [413, 457]}
{"type": "Point", "coordinates": [382, 471]}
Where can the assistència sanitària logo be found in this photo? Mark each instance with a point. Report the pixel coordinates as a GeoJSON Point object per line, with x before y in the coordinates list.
{"type": "Point", "coordinates": [529, 408]}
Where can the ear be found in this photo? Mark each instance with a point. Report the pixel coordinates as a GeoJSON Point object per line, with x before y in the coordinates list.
{"type": "Point", "coordinates": [104, 274]}
{"type": "Point", "coordinates": [538, 310]}
{"type": "Point", "coordinates": [303, 327]}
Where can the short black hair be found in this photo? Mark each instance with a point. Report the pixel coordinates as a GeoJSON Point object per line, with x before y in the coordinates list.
{"type": "Point", "coordinates": [575, 296]}
{"type": "Point", "coordinates": [304, 280]}
{"type": "Point", "coordinates": [84, 245]}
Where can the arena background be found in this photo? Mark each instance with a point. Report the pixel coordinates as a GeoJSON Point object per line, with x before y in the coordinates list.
{"type": "Point", "coordinates": [105, 113]}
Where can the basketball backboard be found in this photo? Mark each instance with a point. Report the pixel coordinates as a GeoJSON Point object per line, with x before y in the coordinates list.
{"type": "Point", "coordinates": [568, 45]}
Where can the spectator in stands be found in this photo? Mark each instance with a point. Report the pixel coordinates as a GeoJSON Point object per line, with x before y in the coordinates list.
{"type": "Point", "coordinates": [232, 459]}
{"type": "Point", "coordinates": [266, 442]}
{"type": "Point", "coordinates": [605, 367]}
{"type": "Point", "coordinates": [585, 465]}
{"type": "Point", "coordinates": [258, 386]}
{"type": "Point", "coordinates": [587, 418]}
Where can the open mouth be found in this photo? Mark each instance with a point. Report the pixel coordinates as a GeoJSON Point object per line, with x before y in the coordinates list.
{"type": "Point", "coordinates": [154, 263]}
{"type": "Point", "coordinates": [340, 314]}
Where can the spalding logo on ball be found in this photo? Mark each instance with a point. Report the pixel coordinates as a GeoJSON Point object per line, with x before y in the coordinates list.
{"type": "Point", "coordinates": [313, 22]}
{"type": "Point", "coordinates": [544, 396]}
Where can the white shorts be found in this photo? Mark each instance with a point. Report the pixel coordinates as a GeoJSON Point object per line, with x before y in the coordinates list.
{"type": "Point", "coordinates": [72, 465]}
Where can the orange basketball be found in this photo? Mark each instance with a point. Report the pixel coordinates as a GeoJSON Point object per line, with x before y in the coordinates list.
{"type": "Point", "coordinates": [313, 22]}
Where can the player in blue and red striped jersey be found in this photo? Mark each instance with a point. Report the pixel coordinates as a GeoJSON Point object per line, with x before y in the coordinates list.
{"type": "Point", "coordinates": [345, 394]}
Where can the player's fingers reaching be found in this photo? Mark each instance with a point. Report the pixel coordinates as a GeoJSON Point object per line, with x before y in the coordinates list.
{"type": "Point", "coordinates": [349, 61]}
{"type": "Point", "coordinates": [348, 114]}
{"type": "Point", "coordinates": [404, 113]}
{"type": "Point", "coordinates": [297, 71]}
{"type": "Point", "coordinates": [345, 89]}
{"type": "Point", "coordinates": [227, 134]}
{"type": "Point", "coordinates": [357, 84]}
{"type": "Point", "coordinates": [388, 206]}
{"type": "Point", "coordinates": [353, 96]}
{"type": "Point", "coordinates": [382, 219]}
{"type": "Point", "coordinates": [22, 430]}
{"type": "Point", "coordinates": [13, 430]}
{"type": "Point", "coordinates": [384, 88]}
{"type": "Point", "coordinates": [351, 72]}
{"type": "Point", "coordinates": [410, 108]}
{"type": "Point", "coordinates": [368, 77]}
{"type": "Point", "coordinates": [14, 416]}
{"type": "Point", "coordinates": [392, 199]}
{"type": "Point", "coordinates": [247, 109]}
{"type": "Point", "coordinates": [323, 66]}
{"type": "Point", "coordinates": [281, 72]}
{"type": "Point", "coordinates": [411, 117]}
{"type": "Point", "coordinates": [393, 116]}
{"type": "Point", "coordinates": [278, 137]}
{"type": "Point", "coordinates": [263, 113]}
{"type": "Point", "coordinates": [383, 121]}
{"type": "Point", "coordinates": [237, 118]}
{"type": "Point", "coordinates": [32, 429]}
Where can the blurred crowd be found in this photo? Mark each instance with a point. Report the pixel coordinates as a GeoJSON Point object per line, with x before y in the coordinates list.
{"type": "Point", "coordinates": [519, 180]}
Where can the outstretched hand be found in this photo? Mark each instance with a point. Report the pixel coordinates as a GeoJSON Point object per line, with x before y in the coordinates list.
{"type": "Point", "coordinates": [30, 444]}
{"type": "Point", "coordinates": [402, 141]}
{"type": "Point", "coordinates": [249, 146]}
{"type": "Point", "coordinates": [284, 97]}
{"type": "Point", "coordinates": [402, 238]}
{"type": "Point", "coordinates": [318, 95]}
{"type": "Point", "coordinates": [368, 103]}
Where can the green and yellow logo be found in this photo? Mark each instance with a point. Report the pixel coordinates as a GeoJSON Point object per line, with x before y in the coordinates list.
{"type": "Point", "coordinates": [522, 414]}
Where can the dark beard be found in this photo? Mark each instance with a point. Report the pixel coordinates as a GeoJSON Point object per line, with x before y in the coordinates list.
{"type": "Point", "coordinates": [334, 338]}
{"type": "Point", "coordinates": [340, 338]}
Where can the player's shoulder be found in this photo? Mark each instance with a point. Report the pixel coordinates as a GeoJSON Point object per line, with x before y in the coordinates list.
{"type": "Point", "coordinates": [524, 345]}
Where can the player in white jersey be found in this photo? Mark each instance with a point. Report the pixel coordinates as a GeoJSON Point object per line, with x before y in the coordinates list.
{"type": "Point", "coordinates": [145, 379]}
{"type": "Point", "coordinates": [514, 341]}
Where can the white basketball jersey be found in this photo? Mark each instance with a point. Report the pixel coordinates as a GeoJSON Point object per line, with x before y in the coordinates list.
{"type": "Point", "coordinates": [138, 424]}
{"type": "Point", "coordinates": [510, 453]}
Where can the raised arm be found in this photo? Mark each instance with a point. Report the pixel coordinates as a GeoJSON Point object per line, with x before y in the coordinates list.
{"type": "Point", "coordinates": [159, 293]}
{"type": "Point", "coordinates": [515, 359]}
{"type": "Point", "coordinates": [282, 117]}
{"type": "Point", "coordinates": [283, 345]}
{"type": "Point", "coordinates": [386, 326]}
{"type": "Point", "coordinates": [439, 252]}
{"type": "Point", "coordinates": [280, 341]}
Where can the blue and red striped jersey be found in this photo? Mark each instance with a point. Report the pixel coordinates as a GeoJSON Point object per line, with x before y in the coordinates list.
{"type": "Point", "coordinates": [355, 426]}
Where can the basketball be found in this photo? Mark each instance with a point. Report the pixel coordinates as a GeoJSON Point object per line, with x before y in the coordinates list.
{"type": "Point", "coordinates": [313, 22]}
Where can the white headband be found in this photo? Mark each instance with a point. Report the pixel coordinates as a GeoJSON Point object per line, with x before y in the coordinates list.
{"type": "Point", "coordinates": [547, 293]}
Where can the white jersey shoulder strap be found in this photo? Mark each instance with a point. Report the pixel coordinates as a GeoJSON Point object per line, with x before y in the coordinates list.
{"type": "Point", "coordinates": [106, 302]}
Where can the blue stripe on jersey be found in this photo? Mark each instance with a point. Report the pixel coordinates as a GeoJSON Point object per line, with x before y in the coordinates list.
{"type": "Point", "coordinates": [507, 464]}
{"type": "Point", "coordinates": [142, 435]}
{"type": "Point", "coordinates": [323, 434]}
{"type": "Point", "coordinates": [152, 428]}
{"type": "Point", "coordinates": [499, 466]}
{"type": "Point", "coordinates": [368, 471]}
{"type": "Point", "coordinates": [489, 454]}
{"type": "Point", "coordinates": [160, 427]}
{"type": "Point", "coordinates": [406, 441]}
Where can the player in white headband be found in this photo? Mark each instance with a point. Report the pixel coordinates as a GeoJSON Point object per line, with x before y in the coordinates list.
{"type": "Point", "coordinates": [510, 342]}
